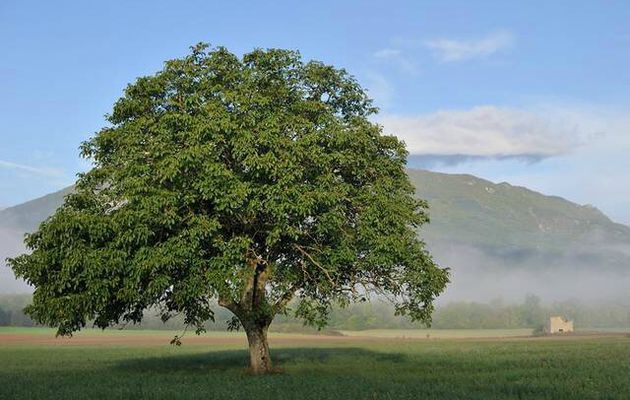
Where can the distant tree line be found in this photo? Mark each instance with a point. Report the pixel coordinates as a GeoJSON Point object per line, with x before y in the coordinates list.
{"type": "Point", "coordinates": [11, 310]}
{"type": "Point", "coordinates": [530, 313]}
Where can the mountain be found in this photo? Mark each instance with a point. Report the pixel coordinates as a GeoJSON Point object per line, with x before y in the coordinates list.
{"type": "Point", "coordinates": [498, 239]}
{"type": "Point", "coordinates": [26, 217]}
{"type": "Point", "coordinates": [513, 221]}
{"type": "Point", "coordinates": [14, 223]}
{"type": "Point", "coordinates": [504, 241]}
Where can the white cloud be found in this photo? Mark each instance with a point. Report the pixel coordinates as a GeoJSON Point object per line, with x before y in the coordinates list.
{"type": "Point", "coordinates": [41, 171]}
{"type": "Point", "coordinates": [485, 131]}
{"type": "Point", "coordinates": [451, 50]}
{"type": "Point", "coordinates": [398, 59]}
{"type": "Point", "coordinates": [593, 173]}
{"type": "Point", "coordinates": [386, 53]}
{"type": "Point", "coordinates": [379, 89]}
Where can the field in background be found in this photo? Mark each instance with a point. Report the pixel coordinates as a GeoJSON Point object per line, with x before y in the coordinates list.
{"type": "Point", "coordinates": [439, 333]}
{"type": "Point", "coordinates": [368, 333]}
{"type": "Point", "coordinates": [375, 365]}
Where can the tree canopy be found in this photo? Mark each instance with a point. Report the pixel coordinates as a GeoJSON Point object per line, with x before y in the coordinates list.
{"type": "Point", "coordinates": [256, 181]}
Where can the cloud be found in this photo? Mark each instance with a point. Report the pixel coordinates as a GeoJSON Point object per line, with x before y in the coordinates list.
{"type": "Point", "coordinates": [431, 161]}
{"type": "Point", "coordinates": [593, 171]}
{"type": "Point", "coordinates": [41, 171]}
{"type": "Point", "coordinates": [386, 53]}
{"type": "Point", "coordinates": [379, 89]}
{"type": "Point", "coordinates": [484, 132]}
{"type": "Point", "coordinates": [451, 50]}
{"type": "Point", "coordinates": [398, 59]}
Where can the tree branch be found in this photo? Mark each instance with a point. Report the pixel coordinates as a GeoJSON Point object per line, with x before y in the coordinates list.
{"type": "Point", "coordinates": [284, 299]}
{"type": "Point", "coordinates": [229, 304]}
{"type": "Point", "coordinates": [305, 253]}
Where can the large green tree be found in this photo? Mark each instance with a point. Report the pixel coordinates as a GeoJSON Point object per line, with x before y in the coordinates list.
{"type": "Point", "coordinates": [253, 182]}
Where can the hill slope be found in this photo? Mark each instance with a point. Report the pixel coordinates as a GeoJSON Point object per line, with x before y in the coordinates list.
{"type": "Point", "coordinates": [26, 217]}
{"type": "Point", "coordinates": [14, 223]}
{"type": "Point", "coordinates": [481, 229]}
{"type": "Point", "coordinates": [514, 221]}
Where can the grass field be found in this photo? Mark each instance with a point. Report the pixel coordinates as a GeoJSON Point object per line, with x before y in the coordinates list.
{"type": "Point", "coordinates": [373, 365]}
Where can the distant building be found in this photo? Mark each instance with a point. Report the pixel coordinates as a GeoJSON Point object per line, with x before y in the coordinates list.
{"type": "Point", "coordinates": [559, 325]}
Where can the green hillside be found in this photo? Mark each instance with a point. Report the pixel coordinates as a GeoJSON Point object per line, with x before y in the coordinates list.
{"type": "Point", "coordinates": [463, 208]}
{"type": "Point", "coordinates": [474, 211]}
{"type": "Point", "coordinates": [511, 226]}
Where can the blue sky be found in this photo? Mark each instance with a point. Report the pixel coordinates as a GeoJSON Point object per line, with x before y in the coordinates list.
{"type": "Point", "coordinates": [535, 94]}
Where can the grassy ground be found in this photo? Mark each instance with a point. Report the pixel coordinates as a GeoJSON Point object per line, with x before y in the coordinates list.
{"type": "Point", "coordinates": [342, 368]}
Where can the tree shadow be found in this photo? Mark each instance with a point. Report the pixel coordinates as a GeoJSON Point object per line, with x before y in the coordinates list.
{"type": "Point", "coordinates": [239, 359]}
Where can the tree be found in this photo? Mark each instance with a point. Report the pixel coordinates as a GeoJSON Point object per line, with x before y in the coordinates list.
{"type": "Point", "coordinates": [533, 313]}
{"type": "Point", "coordinates": [5, 317]}
{"type": "Point", "coordinates": [255, 181]}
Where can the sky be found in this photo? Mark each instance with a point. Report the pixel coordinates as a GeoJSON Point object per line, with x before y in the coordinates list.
{"type": "Point", "coordinates": [535, 94]}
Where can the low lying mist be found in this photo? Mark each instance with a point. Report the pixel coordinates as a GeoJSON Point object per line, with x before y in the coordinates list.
{"type": "Point", "coordinates": [487, 290]}
{"type": "Point", "coordinates": [11, 244]}
{"type": "Point", "coordinates": [482, 277]}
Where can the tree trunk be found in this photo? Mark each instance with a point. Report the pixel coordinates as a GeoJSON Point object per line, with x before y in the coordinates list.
{"type": "Point", "coordinates": [260, 359]}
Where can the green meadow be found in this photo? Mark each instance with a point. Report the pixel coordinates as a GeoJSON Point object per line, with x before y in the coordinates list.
{"type": "Point", "coordinates": [364, 366]}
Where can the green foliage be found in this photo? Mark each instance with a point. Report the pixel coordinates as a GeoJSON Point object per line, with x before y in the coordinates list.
{"type": "Point", "coordinates": [512, 226]}
{"type": "Point", "coordinates": [244, 180]}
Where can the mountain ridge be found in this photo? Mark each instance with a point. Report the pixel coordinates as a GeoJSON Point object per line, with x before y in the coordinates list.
{"type": "Point", "coordinates": [30, 213]}
{"type": "Point", "coordinates": [476, 225]}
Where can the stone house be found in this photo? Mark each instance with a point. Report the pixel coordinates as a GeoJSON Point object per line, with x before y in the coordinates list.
{"type": "Point", "coordinates": [558, 325]}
